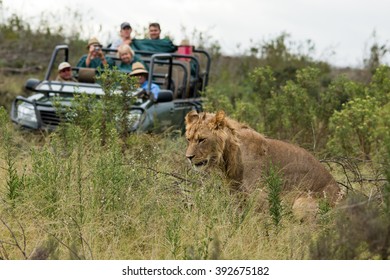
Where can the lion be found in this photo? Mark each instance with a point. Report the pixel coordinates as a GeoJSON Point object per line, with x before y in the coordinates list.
{"type": "Point", "coordinates": [246, 157]}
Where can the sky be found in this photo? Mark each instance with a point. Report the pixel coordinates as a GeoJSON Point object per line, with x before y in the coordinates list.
{"type": "Point", "coordinates": [342, 31]}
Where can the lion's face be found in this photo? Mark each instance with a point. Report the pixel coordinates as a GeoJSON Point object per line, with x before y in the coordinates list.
{"type": "Point", "coordinates": [203, 148]}
{"type": "Point", "coordinates": [205, 140]}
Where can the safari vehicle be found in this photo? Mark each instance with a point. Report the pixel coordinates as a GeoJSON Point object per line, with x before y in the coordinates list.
{"type": "Point", "coordinates": [180, 77]}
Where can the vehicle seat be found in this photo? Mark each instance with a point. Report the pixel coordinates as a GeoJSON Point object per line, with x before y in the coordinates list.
{"type": "Point", "coordinates": [162, 69]}
{"type": "Point", "coordinates": [87, 75]}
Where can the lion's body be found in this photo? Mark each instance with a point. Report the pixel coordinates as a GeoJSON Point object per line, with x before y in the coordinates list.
{"type": "Point", "coordinates": [246, 157]}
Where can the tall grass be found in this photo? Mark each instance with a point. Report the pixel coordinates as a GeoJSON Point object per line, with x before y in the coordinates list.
{"type": "Point", "coordinates": [81, 200]}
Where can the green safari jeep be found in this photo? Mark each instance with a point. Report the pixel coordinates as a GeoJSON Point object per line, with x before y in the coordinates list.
{"type": "Point", "coordinates": [181, 78]}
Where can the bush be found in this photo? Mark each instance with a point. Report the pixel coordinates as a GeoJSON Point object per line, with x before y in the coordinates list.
{"type": "Point", "coordinates": [290, 114]}
{"type": "Point", "coordinates": [359, 128]}
{"type": "Point", "coordinates": [353, 127]}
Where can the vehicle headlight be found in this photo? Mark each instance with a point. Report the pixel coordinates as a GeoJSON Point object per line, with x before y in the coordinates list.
{"type": "Point", "coordinates": [134, 119]}
{"type": "Point", "coordinates": [26, 115]}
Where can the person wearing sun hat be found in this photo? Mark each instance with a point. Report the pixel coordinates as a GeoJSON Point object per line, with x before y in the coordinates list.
{"type": "Point", "coordinates": [125, 36]}
{"type": "Point", "coordinates": [95, 57]}
{"type": "Point", "coordinates": [65, 73]}
{"type": "Point", "coordinates": [142, 74]}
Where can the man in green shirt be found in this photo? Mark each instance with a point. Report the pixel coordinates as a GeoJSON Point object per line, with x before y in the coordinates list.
{"type": "Point", "coordinates": [95, 57]}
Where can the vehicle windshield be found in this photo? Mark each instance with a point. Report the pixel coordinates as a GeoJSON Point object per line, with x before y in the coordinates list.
{"type": "Point", "coordinates": [70, 88]}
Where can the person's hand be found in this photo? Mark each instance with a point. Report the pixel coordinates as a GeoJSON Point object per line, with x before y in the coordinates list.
{"type": "Point", "coordinates": [142, 93]}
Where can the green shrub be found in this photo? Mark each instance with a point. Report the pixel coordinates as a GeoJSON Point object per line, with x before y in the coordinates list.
{"type": "Point", "coordinates": [217, 100]}
{"type": "Point", "coordinates": [353, 127]}
{"type": "Point", "coordinates": [291, 113]}
{"type": "Point", "coordinates": [379, 86]}
{"type": "Point", "coordinates": [339, 92]}
{"type": "Point", "coordinates": [359, 128]}
{"type": "Point", "coordinates": [101, 114]}
{"type": "Point", "coordinates": [263, 82]}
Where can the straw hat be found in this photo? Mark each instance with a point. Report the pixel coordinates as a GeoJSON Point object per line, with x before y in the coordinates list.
{"type": "Point", "coordinates": [94, 41]}
{"type": "Point", "coordinates": [138, 68]}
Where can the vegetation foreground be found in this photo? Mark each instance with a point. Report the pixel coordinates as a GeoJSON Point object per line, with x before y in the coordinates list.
{"type": "Point", "coordinates": [75, 199]}
{"type": "Point", "coordinates": [65, 196]}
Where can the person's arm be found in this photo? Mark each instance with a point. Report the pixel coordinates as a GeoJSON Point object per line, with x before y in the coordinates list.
{"type": "Point", "coordinates": [155, 89]}
{"type": "Point", "coordinates": [104, 60]}
{"type": "Point", "coordinates": [116, 44]}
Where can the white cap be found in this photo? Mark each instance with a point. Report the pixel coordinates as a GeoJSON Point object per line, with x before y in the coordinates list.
{"type": "Point", "coordinates": [63, 65]}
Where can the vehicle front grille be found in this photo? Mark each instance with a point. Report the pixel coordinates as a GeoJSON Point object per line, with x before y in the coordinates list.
{"type": "Point", "coordinates": [50, 118]}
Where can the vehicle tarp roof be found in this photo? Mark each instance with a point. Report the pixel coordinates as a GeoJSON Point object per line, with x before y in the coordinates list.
{"type": "Point", "coordinates": [161, 45]}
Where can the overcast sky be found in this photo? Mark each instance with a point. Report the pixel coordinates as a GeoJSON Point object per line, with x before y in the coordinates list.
{"type": "Point", "coordinates": [341, 30]}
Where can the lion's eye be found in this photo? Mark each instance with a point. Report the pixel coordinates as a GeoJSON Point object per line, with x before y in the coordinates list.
{"type": "Point", "coordinates": [201, 140]}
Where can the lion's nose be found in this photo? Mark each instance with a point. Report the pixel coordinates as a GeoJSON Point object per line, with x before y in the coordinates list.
{"type": "Point", "coordinates": [190, 157]}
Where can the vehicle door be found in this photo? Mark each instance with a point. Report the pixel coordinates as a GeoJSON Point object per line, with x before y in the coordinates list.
{"type": "Point", "coordinates": [162, 115]}
{"type": "Point", "coordinates": [180, 109]}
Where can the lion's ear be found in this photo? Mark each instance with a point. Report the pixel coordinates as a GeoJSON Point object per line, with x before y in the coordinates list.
{"type": "Point", "coordinates": [219, 121]}
{"type": "Point", "coordinates": [191, 117]}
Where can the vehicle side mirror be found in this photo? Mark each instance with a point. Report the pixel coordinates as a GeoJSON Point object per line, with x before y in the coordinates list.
{"type": "Point", "coordinates": [31, 84]}
{"type": "Point", "coordinates": [164, 96]}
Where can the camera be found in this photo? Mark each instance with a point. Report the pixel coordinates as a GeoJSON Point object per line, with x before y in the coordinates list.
{"type": "Point", "coordinates": [97, 48]}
